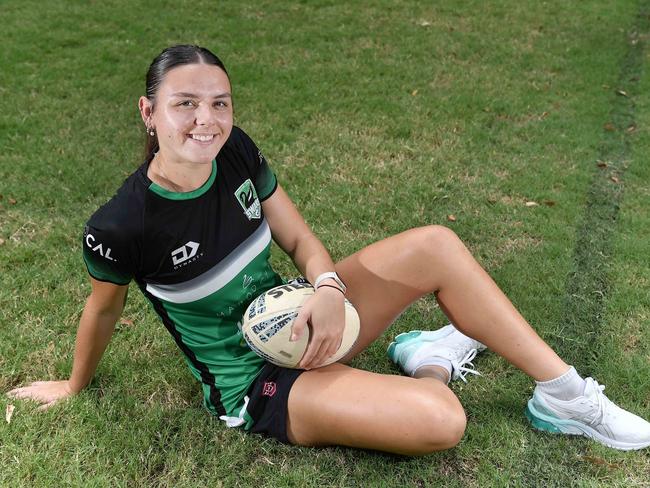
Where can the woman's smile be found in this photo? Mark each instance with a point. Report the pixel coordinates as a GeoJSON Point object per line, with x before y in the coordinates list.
{"type": "Point", "coordinates": [202, 138]}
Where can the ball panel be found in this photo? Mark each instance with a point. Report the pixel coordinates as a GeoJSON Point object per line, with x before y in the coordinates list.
{"type": "Point", "coordinates": [269, 336]}
{"type": "Point", "coordinates": [268, 319]}
{"type": "Point", "coordinates": [252, 344]}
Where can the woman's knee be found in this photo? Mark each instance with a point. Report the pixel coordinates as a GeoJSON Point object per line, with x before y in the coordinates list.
{"type": "Point", "coordinates": [433, 244]}
{"type": "Point", "coordinates": [438, 237]}
{"type": "Point", "coordinates": [441, 425]}
{"type": "Point", "coordinates": [448, 429]}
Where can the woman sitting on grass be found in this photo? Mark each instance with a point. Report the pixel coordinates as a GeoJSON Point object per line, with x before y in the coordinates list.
{"type": "Point", "coordinates": [193, 227]}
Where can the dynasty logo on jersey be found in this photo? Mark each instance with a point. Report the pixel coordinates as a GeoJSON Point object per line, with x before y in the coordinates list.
{"type": "Point", "coordinates": [181, 254]}
{"type": "Point", "coordinates": [247, 198]}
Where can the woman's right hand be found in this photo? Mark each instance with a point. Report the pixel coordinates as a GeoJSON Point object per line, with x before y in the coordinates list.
{"type": "Point", "coordinates": [47, 393]}
{"type": "Point", "coordinates": [102, 310]}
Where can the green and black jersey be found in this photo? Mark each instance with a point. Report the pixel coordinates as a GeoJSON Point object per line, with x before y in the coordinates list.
{"type": "Point", "coordinates": [199, 257]}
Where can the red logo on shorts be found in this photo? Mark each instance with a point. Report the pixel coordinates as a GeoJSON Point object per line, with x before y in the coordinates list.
{"type": "Point", "coordinates": [269, 388]}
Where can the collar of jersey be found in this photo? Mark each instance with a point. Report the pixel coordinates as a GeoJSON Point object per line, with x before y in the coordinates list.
{"type": "Point", "coordinates": [172, 195]}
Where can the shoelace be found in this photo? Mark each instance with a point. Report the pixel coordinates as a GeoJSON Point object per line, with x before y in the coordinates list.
{"type": "Point", "coordinates": [459, 369]}
{"type": "Point", "coordinates": [602, 402]}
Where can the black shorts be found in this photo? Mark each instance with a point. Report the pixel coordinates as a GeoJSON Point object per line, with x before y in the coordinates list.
{"type": "Point", "coordinates": [268, 401]}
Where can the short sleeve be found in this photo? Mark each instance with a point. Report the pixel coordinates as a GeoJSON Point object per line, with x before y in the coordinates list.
{"type": "Point", "coordinates": [107, 256]}
{"type": "Point", "coordinates": [264, 179]}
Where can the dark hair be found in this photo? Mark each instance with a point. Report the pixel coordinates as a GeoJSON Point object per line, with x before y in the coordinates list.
{"type": "Point", "coordinates": [167, 60]}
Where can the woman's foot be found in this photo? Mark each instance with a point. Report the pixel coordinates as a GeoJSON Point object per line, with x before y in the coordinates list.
{"type": "Point", "coordinates": [592, 415]}
{"type": "Point", "coordinates": [446, 347]}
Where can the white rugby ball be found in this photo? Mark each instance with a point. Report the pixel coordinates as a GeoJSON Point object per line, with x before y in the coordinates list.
{"type": "Point", "coordinates": [266, 325]}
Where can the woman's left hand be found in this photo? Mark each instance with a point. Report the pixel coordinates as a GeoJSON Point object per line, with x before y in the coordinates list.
{"type": "Point", "coordinates": [325, 312]}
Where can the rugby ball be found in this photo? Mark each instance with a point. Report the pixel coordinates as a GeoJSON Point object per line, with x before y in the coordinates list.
{"type": "Point", "coordinates": [266, 325]}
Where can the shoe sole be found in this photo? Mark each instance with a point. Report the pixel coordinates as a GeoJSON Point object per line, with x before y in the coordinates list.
{"type": "Point", "coordinates": [427, 335]}
{"type": "Point", "coordinates": [558, 426]}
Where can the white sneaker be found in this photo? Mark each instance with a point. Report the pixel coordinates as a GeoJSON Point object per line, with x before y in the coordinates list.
{"type": "Point", "coordinates": [592, 415]}
{"type": "Point", "coordinates": [412, 350]}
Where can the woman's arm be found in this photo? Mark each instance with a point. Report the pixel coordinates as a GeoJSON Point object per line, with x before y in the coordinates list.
{"type": "Point", "coordinates": [325, 310]}
{"type": "Point", "coordinates": [102, 310]}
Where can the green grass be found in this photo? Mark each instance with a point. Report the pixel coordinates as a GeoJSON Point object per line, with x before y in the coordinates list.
{"type": "Point", "coordinates": [377, 116]}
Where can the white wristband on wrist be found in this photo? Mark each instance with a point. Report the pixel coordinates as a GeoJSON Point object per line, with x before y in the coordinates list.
{"type": "Point", "coordinates": [330, 275]}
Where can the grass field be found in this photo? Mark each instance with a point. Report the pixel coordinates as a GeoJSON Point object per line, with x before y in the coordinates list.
{"type": "Point", "coordinates": [377, 116]}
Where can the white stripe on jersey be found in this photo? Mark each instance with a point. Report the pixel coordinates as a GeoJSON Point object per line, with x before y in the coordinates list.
{"type": "Point", "coordinates": [220, 275]}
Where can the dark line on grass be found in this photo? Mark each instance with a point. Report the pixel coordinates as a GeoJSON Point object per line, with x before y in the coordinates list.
{"type": "Point", "coordinates": [588, 284]}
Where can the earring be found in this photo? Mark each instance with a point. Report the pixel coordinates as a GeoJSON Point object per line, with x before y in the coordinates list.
{"type": "Point", "coordinates": [151, 131]}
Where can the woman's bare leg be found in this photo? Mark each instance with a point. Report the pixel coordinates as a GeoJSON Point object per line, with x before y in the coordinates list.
{"type": "Point", "coordinates": [340, 405]}
{"type": "Point", "coordinates": [385, 277]}
{"type": "Point", "coordinates": [344, 406]}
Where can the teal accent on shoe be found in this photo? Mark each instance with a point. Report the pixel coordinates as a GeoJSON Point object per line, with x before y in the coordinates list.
{"type": "Point", "coordinates": [406, 336]}
{"type": "Point", "coordinates": [403, 337]}
{"type": "Point", "coordinates": [540, 424]}
{"type": "Point", "coordinates": [391, 350]}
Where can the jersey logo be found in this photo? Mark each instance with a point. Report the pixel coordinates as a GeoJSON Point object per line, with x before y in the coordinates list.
{"type": "Point", "coordinates": [181, 254]}
{"type": "Point", "coordinates": [247, 281]}
{"type": "Point", "coordinates": [105, 253]}
{"type": "Point", "coordinates": [247, 198]}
